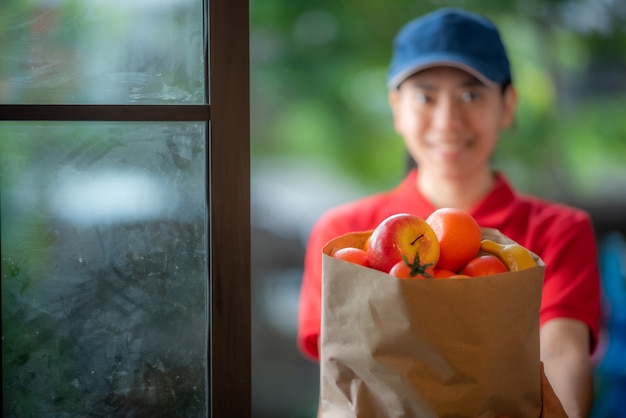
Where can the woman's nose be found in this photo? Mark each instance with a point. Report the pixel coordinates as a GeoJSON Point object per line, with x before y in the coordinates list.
{"type": "Point", "coordinates": [447, 115]}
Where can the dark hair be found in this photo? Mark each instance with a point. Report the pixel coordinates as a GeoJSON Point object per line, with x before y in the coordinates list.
{"type": "Point", "coordinates": [505, 85]}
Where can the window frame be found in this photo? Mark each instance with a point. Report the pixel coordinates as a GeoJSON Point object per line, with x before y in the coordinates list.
{"type": "Point", "coordinates": [227, 189]}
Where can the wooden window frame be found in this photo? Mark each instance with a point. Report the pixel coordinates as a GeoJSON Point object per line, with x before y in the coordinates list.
{"type": "Point", "coordinates": [228, 192]}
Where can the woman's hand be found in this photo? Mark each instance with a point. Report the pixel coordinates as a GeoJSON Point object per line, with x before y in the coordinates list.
{"type": "Point", "coordinates": [550, 405]}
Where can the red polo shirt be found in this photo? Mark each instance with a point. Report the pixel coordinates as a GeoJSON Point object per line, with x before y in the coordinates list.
{"type": "Point", "coordinates": [562, 236]}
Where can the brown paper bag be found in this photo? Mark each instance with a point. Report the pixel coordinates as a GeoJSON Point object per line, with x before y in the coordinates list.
{"type": "Point", "coordinates": [428, 348]}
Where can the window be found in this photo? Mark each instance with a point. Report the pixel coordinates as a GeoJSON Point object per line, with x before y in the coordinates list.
{"type": "Point", "coordinates": [125, 208]}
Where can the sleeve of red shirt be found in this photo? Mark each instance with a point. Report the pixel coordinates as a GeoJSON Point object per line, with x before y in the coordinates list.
{"type": "Point", "coordinates": [572, 280]}
{"type": "Point", "coordinates": [309, 313]}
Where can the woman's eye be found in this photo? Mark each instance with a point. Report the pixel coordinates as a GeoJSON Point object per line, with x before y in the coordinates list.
{"type": "Point", "coordinates": [469, 96]}
{"type": "Point", "coordinates": [422, 98]}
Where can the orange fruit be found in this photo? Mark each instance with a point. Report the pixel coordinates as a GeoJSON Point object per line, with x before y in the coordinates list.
{"type": "Point", "coordinates": [352, 255]}
{"type": "Point", "coordinates": [459, 237]}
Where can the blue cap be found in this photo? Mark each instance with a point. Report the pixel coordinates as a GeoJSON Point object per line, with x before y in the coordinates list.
{"type": "Point", "coordinates": [450, 37]}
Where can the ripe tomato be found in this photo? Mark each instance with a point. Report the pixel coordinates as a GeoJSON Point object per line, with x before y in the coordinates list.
{"type": "Point", "coordinates": [484, 265]}
{"type": "Point", "coordinates": [443, 273]}
{"type": "Point", "coordinates": [352, 254]}
{"type": "Point", "coordinates": [404, 270]}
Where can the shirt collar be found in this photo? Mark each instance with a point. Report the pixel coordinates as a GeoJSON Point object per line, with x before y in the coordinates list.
{"type": "Point", "coordinates": [491, 206]}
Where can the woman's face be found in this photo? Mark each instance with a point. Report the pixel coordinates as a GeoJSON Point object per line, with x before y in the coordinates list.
{"type": "Point", "coordinates": [451, 121]}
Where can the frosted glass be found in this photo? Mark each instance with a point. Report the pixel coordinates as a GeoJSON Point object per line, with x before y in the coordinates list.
{"type": "Point", "coordinates": [104, 269]}
{"type": "Point", "coordinates": [102, 52]}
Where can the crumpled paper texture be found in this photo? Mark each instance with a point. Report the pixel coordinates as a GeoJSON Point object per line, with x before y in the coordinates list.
{"type": "Point", "coordinates": [428, 348]}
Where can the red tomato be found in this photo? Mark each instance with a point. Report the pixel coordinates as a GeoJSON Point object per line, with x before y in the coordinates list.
{"type": "Point", "coordinates": [443, 273]}
{"type": "Point", "coordinates": [352, 255]}
{"type": "Point", "coordinates": [403, 270]}
{"type": "Point", "coordinates": [484, 265]}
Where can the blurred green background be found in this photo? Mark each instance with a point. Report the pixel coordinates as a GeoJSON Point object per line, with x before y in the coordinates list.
{"type": "Point", "coordinates": [322, 134]}
{"type": "Point", "coordinates": [318, 89]}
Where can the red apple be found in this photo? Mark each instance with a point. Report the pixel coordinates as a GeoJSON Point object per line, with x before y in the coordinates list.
{"type": "Point", "coordinates": [398, 235]}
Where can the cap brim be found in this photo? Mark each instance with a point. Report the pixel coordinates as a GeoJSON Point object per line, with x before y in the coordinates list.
{"type": "Point", "coordinates": [397, 79]}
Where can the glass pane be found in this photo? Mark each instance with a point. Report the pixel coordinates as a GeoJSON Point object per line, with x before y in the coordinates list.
{"type": "Point", "coordinates": [104, 269]}
{"type": "Point", "coordinates": [102, 51]}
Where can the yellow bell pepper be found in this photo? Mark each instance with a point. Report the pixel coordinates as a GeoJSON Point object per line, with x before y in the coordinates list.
{"type": "Point", "coordinates": [514, 256]}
